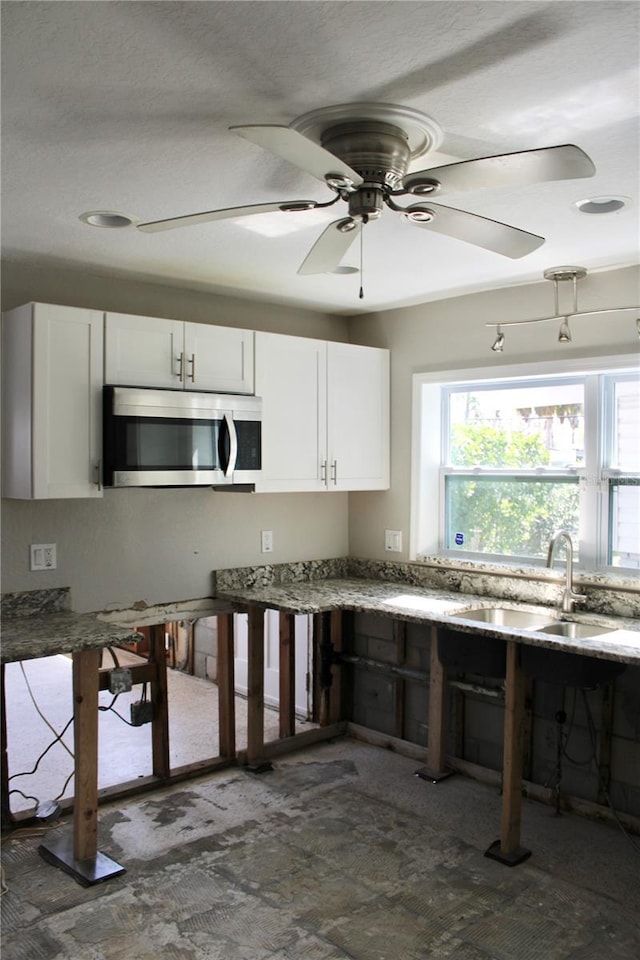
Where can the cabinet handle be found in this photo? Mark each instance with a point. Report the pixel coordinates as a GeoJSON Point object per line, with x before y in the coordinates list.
{"type": "Point", "coordinates": [334, 471]}
{"type": "Point", "coordinates": [323, 472]}
{"type": "Point", "coordinates": [180, 361]}
{"type": "Point", "coordinates": [97, 474]}
{"type": "Point", "coordinates": [192, 375]}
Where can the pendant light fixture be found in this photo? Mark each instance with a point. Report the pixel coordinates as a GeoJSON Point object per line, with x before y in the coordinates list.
{"type": "Point", "coordinates": [558, 275]}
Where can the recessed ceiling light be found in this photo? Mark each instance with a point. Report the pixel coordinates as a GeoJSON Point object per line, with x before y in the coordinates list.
{"type": "Point", "coordinates": [601, 204]}
{"type": "Point", "coordinates": [106, 218]}
{"type": "Point", "coordinates": [346, 269]}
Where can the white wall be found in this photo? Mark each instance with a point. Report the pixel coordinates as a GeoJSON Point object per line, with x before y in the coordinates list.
{"type": "Point", "coordinates": [450, 335]}
{"type": "Point", "coordinates": [161, 545]}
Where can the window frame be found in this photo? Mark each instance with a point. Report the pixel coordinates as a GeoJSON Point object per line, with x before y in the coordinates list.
{"type": "Point", "coordinates": [429, 469]}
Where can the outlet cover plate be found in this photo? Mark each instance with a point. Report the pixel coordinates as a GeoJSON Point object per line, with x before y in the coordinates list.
{"type": "Point", "coordinates": [43, 556]}
{"type": "Point", "coordinates": [393, 540]}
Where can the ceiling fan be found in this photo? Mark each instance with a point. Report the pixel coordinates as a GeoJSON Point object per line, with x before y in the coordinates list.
{"type": "Point", "coordinates": [363, 153]}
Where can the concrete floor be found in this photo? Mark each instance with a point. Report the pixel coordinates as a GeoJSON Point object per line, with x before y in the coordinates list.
{"type": "Point", "coordinates": [338, 852]}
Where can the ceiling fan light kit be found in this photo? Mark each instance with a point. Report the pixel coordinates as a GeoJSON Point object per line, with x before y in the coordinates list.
{"type": "Point", "coordinates": [363, 153]}
{"type": "Point", "coordinates": [559, 275]}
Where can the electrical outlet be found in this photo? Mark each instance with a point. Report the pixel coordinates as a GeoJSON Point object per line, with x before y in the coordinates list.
{"type": "Point", "coordinates": [43, 556]}
{"type": "Point", "coordinates": [266, 541]}
{"type": "Point", "coordinates": [393, 540]}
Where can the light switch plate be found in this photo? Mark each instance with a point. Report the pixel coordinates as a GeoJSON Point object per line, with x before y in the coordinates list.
{"type": "Point", "coordinates": [393, 540]}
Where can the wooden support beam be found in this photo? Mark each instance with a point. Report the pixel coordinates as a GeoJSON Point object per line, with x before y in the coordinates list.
{"type": "Point", "coordinates": [78, 854]}
{"type": "Point", "coordinates": [255, 688]}
{"type": "Point", "coordinates": [5, 806]}
{"type": "Point", "coordinates": [508, 850]}
{"type": "Point", "coordinates": [226, 687]}
{"type": "Point", "coordinates": [287, 676]}
{"type": "Point", "coordinates": [336, 696]}
{"type": "Point", "coordinates": [604, 743]}
{"type": "Point", "coordinates": [400, 637]}
{"type": "Point", "coordinates": [86, 664]}
{"type": "Point", "coordinates": [160, 700]}
{"type": "Point", "coordinates": [140, 673]}
{"type": "Point", "coordinates": [325, 650]}
{"type": "Point", "coordinates": [435, 769]}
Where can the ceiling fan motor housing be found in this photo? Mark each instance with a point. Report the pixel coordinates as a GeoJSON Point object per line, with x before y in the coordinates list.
{"type": "Point", "coordinates": [378, 151]}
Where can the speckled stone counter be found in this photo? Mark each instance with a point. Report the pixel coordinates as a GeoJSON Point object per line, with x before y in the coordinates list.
{"type": "Point", "coordinates": [298, 588]}
{"type": "Point", "coordinates": [40, 623]}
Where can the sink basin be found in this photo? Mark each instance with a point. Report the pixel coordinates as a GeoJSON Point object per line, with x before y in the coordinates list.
{"type": "Point", "coordinates": [567, 628]}
{"type": "Point", "coordinates": [505, 617]}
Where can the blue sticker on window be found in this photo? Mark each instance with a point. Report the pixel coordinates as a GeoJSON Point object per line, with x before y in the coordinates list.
{"type": "Point", "coordinates": [459, 539]}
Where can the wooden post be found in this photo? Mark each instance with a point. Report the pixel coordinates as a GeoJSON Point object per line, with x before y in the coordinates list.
{"type": "Point", "coordinates": [78, 854]}
{"type": "Point", "coordinates": [160, 699]}
{"type": "Point", "coordinates": [5, 806]}
{"type": "Point", "coordinates": [255, 689]}
{"type": "Point", "coordinates": [325, 651]}
{"type": "Point", "coordinates": [336, 696]}
{"type": "Point", "coordinates": [400, 637]}
{"type": "Point", "coordinates": [287, 677]}
{"type": "Point", "coordinates": [435, 769]}
{"type": "Point", "coordinates": [86, 664]}
{"type": "Point", "coordinates": [226, 687]}
{"type": "Point", "coordinates": [604, 745]}
{"type": "Point", "coordinates": [508, 850]}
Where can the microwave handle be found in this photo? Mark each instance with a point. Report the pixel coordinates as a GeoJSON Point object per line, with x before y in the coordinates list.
{"type": "Point", "coordinates": [233, 446]}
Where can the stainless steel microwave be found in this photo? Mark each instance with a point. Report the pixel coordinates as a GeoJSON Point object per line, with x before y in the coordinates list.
{"type": "Point", "coordinates": [179, 438]}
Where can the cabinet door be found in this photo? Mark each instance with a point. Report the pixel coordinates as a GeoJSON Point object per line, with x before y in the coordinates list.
{"type": "Point", "coordinates": [52, 434]}
{"type": "Point", "coordinates": [358, 417]}
{"type": "Point", "coordinates": [218, 358]}
{"type": "Point", "coordinates": [143, 351]}
{"type": "Point", "coordinates": [291, 379]}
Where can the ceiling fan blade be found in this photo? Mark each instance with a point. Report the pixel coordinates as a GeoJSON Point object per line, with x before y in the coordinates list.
{"type": "Point", "coordinates": [299, 150]}
{"type": "Point", "coordinates": [472, 228]}
{"type": "Point", "coordinates": [566, 162]}
{"type": "Point", "coordinates": [329, 248]}
{"type": "Point", "coordinates": [228, 213]}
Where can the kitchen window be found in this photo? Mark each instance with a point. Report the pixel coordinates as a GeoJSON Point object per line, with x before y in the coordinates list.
{"type": "Point", "coordinates": [502, 464]}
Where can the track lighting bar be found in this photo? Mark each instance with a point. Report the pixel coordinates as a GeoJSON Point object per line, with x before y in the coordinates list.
{"type": "Point", "coordinates": [557, 275]}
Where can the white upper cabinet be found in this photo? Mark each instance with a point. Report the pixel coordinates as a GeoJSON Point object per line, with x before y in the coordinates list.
{"type": "Point", "coordinates": [325, 414]}
{"type": "Point", "coordinates": [357, 417]}
{"type": "Point", "coordinates": [52, 391]}
{"type": "Point", "coordinates": [291, 378]}
{"type": "Point", "coordinates": [154, 352]}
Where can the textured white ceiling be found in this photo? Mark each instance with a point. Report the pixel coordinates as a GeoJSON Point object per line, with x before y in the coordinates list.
{"type": "Point", "coordinates": [125, 106]}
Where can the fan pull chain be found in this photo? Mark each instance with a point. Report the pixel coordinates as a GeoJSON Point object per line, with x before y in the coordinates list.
{"type": "Point", "coordinates": [361, 294]}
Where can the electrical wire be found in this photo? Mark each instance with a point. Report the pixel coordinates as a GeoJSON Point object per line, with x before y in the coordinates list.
{"type": "Point", "coordinates": [19, 834]}
{"type": "Point", "coordinates": [28, 773]}
{"type": "Point", "coordinates": [40, 713]}
{"type": "Point", "coordinates": [592, 733]}
{"type": "Point", "coordinates": [110, 708]}
{"type": "Point", "coordinates": [592, 759]}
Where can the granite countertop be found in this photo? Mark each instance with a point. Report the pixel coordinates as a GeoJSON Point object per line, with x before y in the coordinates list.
{"type": "Point", "coordinates": [39, 623]}
{"type": "Point", "coordinates": [424, 605]}
{"type": "Point", "coordinates": [43, 635]}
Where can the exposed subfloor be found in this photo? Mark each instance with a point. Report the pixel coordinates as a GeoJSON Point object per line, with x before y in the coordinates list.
{"type": "Point", "coordinates": [339, 852]}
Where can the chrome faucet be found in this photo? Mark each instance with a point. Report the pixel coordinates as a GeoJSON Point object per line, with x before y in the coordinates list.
{"type": "Point", "coordinates": [569, 596]}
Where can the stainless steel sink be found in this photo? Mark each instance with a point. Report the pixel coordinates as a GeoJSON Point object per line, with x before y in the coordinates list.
{"type": "Point", "coordinates": [506, 617]}
{"type": "Point", "coordinates": [567, 628]}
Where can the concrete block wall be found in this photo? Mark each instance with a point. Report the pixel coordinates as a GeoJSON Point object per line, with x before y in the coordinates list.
{"type": "Point", "coordinates": [205, 648]}
{"type": "Point", "coordinates": [375, 705]}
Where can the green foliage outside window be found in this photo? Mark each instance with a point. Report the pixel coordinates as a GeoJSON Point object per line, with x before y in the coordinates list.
{"type": "Point", "coordinates": [507, 516]}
